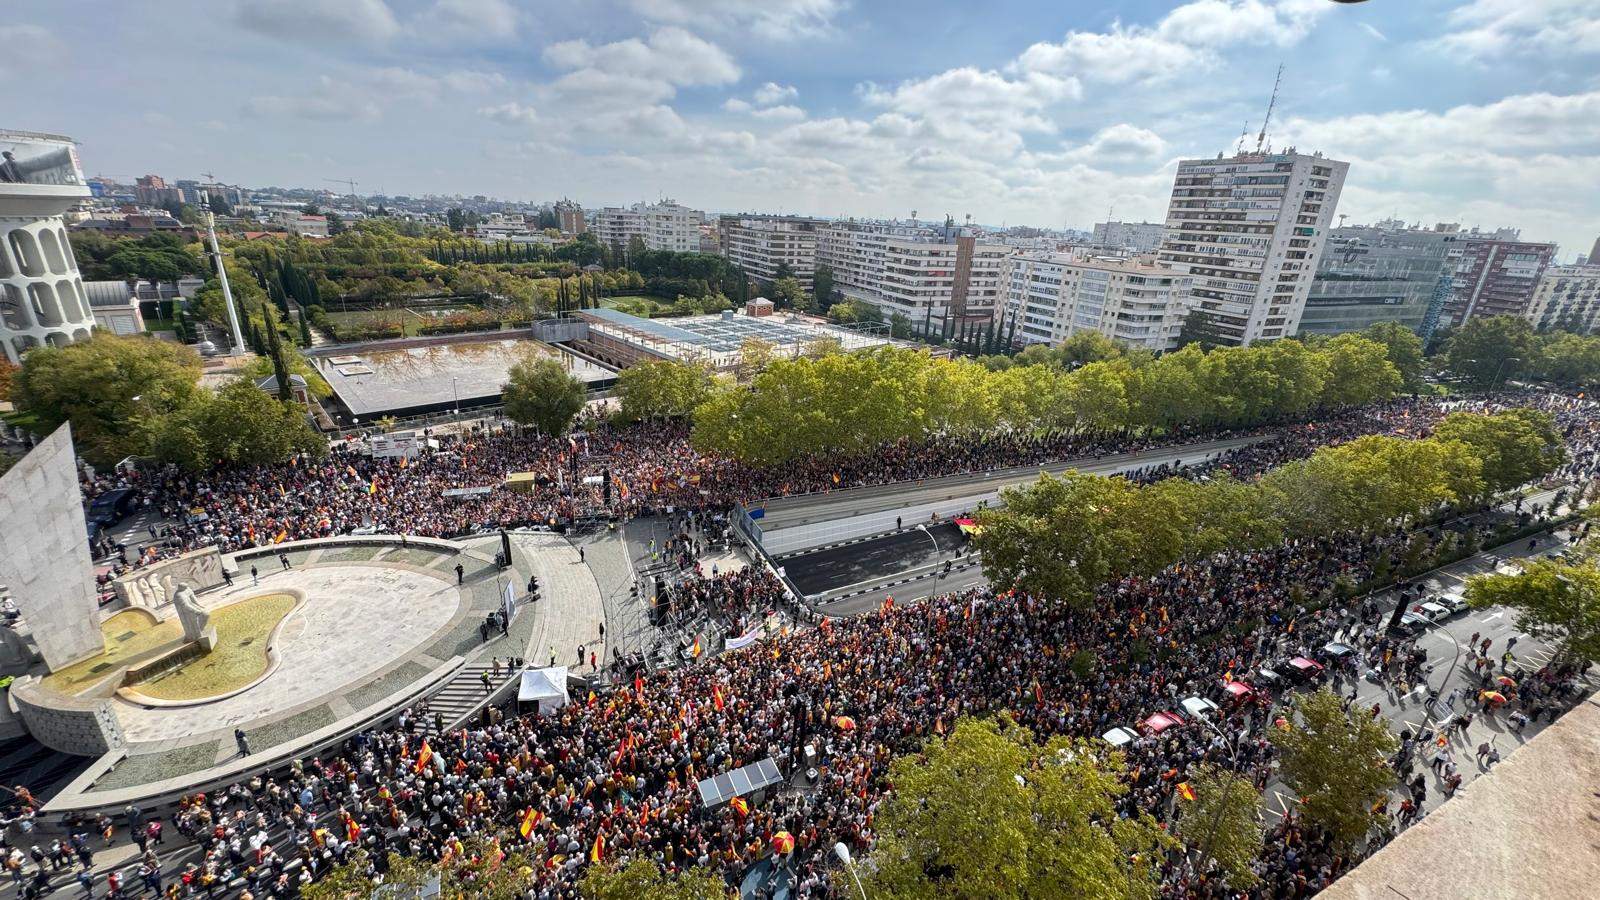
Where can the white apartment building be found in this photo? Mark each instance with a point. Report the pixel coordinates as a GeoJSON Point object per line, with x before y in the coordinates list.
{"type": "Point", "coordinates": [1055, 296]}
{"type": "Point", "coordinates": [662, 226]}
{"type": "Point", "coordinates": [1249, 231]}
{"type": "Point", "coordinates": [1567, 297]}
{"type": "Point", "coordinates": [296, 222]}
{"type": "Point", "coordinates": [1140, 237]}
{"type": "Point", "coordinates": [925, 274]}
{"type": "Point", "coordinates": [760, 245]}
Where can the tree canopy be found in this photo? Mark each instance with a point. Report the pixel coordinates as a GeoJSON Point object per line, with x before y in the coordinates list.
{"type": "Point", "coordinates": [990, 812]}
{"type": "Point", "coordinates": [241, 424]}
{"type": "Point", "coordinates": [541, 393]}
{"type": "Point", "coordinates": [111, 388]}
{"type": "Point", "coordinates": [1554, 601]}
{"type": "Point", "coordinates": [662, 389]}
{"type": "Point", "coordinates": [1337, 760]}
{"type": "Point", "coordinates": [1487, 351]}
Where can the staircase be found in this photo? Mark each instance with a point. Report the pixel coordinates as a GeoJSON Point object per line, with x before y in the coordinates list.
{"type": "Point", "coordinates": [461, 695]}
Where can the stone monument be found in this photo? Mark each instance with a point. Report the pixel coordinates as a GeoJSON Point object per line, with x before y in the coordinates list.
{"type": "Point", "coordinates": [195, 619]}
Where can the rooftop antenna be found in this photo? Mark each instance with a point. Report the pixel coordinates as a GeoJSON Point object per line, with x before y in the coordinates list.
{"type": "Point", "coordinates": [222, 273]}
{"type": "Point", "coordinates": [1342, 217]}
{"type": "Point", "coordinates": [1261, 138]}
{"type": "Point", "coordinates": [1243, 133]}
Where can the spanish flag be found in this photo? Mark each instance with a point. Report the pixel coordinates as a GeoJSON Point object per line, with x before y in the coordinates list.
{"type": "Point", "coordinates": [592, 699]}
{"type": "Point", "coordinates": [696, 650]}
{"type": "Point", "coordinates": [836, 478]}
{"type": "Point", "coordinates": [716, 697]}
{"type": "Point", "coordinates": [739, 806]}
{"type": "Point", "coordinates": [638, 686]}
{"type": "Point", "coordinates": [320, 836]}
{"type": "Point", "coordinates": [282, 536]}
{"type": "Point", "coordinates": [373, 487]}
{"type": "Point", "coordinates": [1185, 791]}
{"type": "Point", "coordinates": [402, 462]}
{"type": "Point", "coordinates": [423, 755]}
{"type": "Point", "coordinates": [598, 851]}
{"type": "Point", "coordinates": [352, 831]}
{"type": "Point", "coordinates": [530, 821]}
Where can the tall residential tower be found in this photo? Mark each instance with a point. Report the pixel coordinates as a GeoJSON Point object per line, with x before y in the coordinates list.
{"type": "Point", "coordinates": [41, 293]}
{"type": "Point", "coordinates": [1248, 230]}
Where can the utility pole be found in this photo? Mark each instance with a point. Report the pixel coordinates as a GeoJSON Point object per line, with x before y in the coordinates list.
{"type": "Point", "coordinates": [222, 274]}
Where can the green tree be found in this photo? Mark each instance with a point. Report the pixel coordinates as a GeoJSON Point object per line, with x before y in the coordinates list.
{"type": "Point", "coordinates": [1087, 347]}
{"type": "Point", "coordinates": [111, 388]}
{"type": "Point", "coordinates": [822, 286]}
{"type": "Point", "coordinates": [541, 394]}
{"type": "Point", "coordinates": [1359, 371]}
{"type": "Point", "coordinates": [1223, 821]}
{"type": "Point", "coordinates": [1404, 350]}
{"type": "Point", "coordinates": [989, 812]}
{"type": "Point", "coordinates": [642, 879]}
{"type": "Point", "coordinates": [1488, 351]}
{"type": "Point", "coordinates": [786, 292]}
{"type": "Point", "coordinates": [240, 425]}
{"type": "Point", "coordinates": [1570, 359]}
{"type": "Point", "coordinates": [1338, 762]}
{"type": "Point", "coordinates": [1555, 602]}
{"type": "Point", "coordinates": [1516, 446]}
{"type": "Point", "coordinates": [662, 389]}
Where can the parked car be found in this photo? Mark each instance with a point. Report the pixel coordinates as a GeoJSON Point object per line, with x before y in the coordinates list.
{"type": "Point", "coordinates": [111, 507]}
{"type": "Point", "coordinates": [1433, 612]}
{"type": "Point", "coordinates": [1335, 652]}
{"type": "Point", "coordinates": [1198, 707]}
{"type": "Point", "coordinates": [1120, 737]}
{"type": "Point", "coordinates": [1412, 624]}
{"type": "Point", "coordinates": [1161, 721]}
{"type": "Point", "coordinates": [1304, 671]}
{"type": "Point", "coordinates": [1271, 677]}
{"type": "Point", "coordinates": [1453, 601]}
{"type": "Point", "coordinates": [1239, 691]}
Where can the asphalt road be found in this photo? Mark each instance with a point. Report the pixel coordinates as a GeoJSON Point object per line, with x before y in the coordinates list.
{"type": "Point", "coordinates": [792, 524]}
{"type": "Point", "coordinates": [840, 568]}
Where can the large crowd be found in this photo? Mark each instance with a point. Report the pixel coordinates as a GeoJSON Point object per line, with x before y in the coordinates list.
{"type": "Point", "coordinates": [613, 777]}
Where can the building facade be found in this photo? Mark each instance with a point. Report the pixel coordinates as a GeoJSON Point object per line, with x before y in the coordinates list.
{"type": "Point", "coordinates": [1249, 231]}
{"type": "Point", "coordinates": [1567, 298]}
{"type": "Point", "coordinates": [926, 274]}
{"type": "Point", "coordinates": [764, 245]}
{"type": "Point", "coordinates": [569, 218]}
{"type": "Point", "coordinates": [1495, 276]}
{"type": "Point", "coordinates": [1380, 273]}
{"type": "Point", "coordinates": [1052, 297]}
{"type": "Point", "coordinates": [1140, 237]}
{"type": "Point", "coordinates": [42, 300]}
{"type": "Point", "coordinates": [661, 226]}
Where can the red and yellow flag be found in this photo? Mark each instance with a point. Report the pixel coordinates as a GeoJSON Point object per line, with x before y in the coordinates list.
{"type": "Point", "coordinates": [352, 831]}
{"type": "Point", "coordinates": [598, 851]}
{"type": "Point", "coordinates": [740, 806]}
{"type": "Point", "coordinates": [696, 650]}
{"type": "Point", "coordinates": [530, 821]}
{"type": "Point", "coordinates": [716, 697]}
{"type": "Point", "coordinates": [423, 755]}
{"type": "Point", "coordinates": [1185, 791]}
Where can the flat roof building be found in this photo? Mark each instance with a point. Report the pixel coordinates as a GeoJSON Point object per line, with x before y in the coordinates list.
{"type": "Point", "coordinates": [1567, 298]}
{"type": "Point", "coordinates": [1380, 273]}
{"type": "Point", "coordinates": [1054, 296]}
{"type": "Point", "coordinates": [926, 274]}
{"type": "Point", "coordinates": [763, 246]}
{"type": "Point", "coordinates": [716, 340]}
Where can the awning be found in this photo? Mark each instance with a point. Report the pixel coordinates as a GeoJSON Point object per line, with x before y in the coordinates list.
{"type": "Point", "coordinates": [546, 687]}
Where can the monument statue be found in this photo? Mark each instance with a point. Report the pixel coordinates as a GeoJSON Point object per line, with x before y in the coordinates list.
{"type": "Point", "coordinates": [194, 617]}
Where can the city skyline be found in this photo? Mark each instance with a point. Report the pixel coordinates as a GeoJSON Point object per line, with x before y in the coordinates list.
{"type": "Point", "coordinates": [1472, 111]}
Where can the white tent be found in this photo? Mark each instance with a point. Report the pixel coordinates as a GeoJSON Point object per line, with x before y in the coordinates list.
{"type": "Point", "coordinates": [547, 687]}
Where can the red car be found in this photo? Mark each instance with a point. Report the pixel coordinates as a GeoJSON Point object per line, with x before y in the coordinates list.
{"type": "Point", "coordinates": [1240, 691]}
{"type": "Point", "coordinates": [1161, 721]}
{"type": "Point", "coordinates": [1305, 670]}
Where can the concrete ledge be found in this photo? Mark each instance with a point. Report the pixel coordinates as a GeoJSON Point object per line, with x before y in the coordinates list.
{"type": "Point", "coordinates": [79, 798]}
{"type": "Point", "coordinates": [347, 540]}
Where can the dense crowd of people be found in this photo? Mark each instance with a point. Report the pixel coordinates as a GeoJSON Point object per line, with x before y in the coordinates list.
{"type": "Point", "coordinates": [614, 777]}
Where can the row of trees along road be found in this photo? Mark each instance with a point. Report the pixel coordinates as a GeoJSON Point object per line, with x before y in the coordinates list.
{"type": "Point", "coordinates": [1062, 537]}
{"type": "Point", "coordinates": [827, 402]}
{"type": "Point", "coordinates": [1490, 351]}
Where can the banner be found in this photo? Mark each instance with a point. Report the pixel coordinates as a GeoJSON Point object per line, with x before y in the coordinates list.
{"type": "Point", "coordinates": [508, 602]}
{"type": "Point", "coordinates": [746, 639]}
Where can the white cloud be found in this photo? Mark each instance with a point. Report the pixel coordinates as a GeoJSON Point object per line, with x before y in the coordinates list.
{"type": "Point", "coordinates": [1120, 144]}
{"type": "Point", "coordinates": [1489, 28]}
{"type": "Point", "coordinates": [467, 21]}
{"type": "Point", "coordinates": [784, 113]}
{"type": "Point", "coordinates": [735, 105]}
{"type": "Point", "coordinates": [468, 81]}
{"type": "Point", "coordinates": [1182, 43]}
{"type": "Point", "coordinates": [512, 113]}
{"type": "Point", "coordinates": [773, 93]}
{"type": "Point", "coordinates": [978, 96]}
{"type": "Point", "coordinates": [671, 55]}
{"type": "Point", "coordinates": [362, 21]}
{"type": "Point", "coordinates": [1374, 32]}
{"type": "Point", "coordinates": [778, 20]}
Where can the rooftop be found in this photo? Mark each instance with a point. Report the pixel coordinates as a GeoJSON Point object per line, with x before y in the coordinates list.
{"type": "Point", "coordinates": [1530, 828]}
{"type": "Point", "coordinates": [718, 339]}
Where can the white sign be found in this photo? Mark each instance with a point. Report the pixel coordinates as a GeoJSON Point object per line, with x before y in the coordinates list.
{"type": "Point", "coordinates": [398, 443]}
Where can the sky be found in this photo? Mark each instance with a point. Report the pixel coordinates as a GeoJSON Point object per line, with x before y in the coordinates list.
{"type": "Point", "coordinates": [1018, 112]}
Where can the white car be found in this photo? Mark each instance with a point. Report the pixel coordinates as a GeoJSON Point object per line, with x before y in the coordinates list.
{"type": "Point", "coordinates": [1455, 602]}
{"type": "Point", "coordinates": [1198, 707]}
{"type": "Point", "coordinates": [1120, 737]}
{"type": "Point", "coordinates": [1433, 612]}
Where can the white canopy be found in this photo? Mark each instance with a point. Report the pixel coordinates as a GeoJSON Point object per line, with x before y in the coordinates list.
{"type": "Point", "coordinates": [547, 687]}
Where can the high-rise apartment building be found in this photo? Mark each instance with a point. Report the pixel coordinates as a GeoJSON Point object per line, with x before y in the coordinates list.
{"type": "Point", "coordinates": [42, 300]}
{"type": "Point", "coordinates": [1379, 273]}
{"type": "Point", "coordinates": [569, 218]}
{"type": "Point", "coordinates": [1594, 255]}
{"type": "Point", "coordinates": [1140, 237]}
{"type": "Point", "coordinates": [1495, 275]}
{"type": "Point", "coordinates": [1249, 230]}
{"type": "Point", "coordinates": [926, 274]}
{"type": "Point", "coordinates": [1567, 298]}
{"type": "Point", "coordinates": [1054, 296]}
{"type": "Point", "coordinates": [764, 246]}
{"type": "Point", "coordinates": [662, 226]}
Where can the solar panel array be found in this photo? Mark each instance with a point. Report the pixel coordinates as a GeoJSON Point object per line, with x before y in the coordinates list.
{"type": "Point", "coordinates": [718, 334]}
{"type": "Point", "coordinates": [746, 780]}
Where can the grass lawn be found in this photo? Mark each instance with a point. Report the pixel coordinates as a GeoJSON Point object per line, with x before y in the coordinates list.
{"type": "Point", "coordinates": [238, 659]}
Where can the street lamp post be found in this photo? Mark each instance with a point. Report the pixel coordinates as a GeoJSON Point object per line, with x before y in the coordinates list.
{"type": "Point", "coordinates": [1227, 789]}
{"type": "Point", "coordinates": [924, 529]}
{"type": "Point", "coordinates": [456, 396]}
{"type": "Point", "coordinates": [843, 853]}
{"type": "Point", "coordinates": [1502, 368]}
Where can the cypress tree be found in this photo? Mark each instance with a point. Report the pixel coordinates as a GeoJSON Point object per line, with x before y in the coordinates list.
{"type": "Point", "coordinates": [305, 329]}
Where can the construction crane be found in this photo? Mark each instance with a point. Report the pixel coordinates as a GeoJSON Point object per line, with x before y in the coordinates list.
{"type": "Point", "coordinates": [346, 181]}
{"type": "Point", "coordinates": [1261, 138]}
